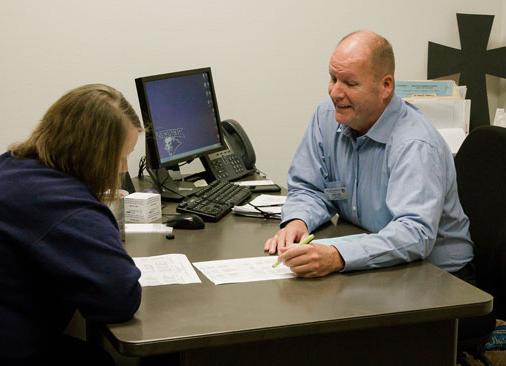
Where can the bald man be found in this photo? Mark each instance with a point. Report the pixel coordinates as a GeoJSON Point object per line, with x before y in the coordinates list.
{"type": "Point", "coordinates": [377, 162]}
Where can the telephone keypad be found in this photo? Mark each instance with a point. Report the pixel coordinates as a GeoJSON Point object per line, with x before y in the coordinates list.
{"type": "Point", "coordinates": [226, 164]}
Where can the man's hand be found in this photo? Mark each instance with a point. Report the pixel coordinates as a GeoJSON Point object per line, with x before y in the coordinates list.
{"type": "Point", "coordinates": [311, 260]}
{"type": "Point", "coordinates": [293, 232]}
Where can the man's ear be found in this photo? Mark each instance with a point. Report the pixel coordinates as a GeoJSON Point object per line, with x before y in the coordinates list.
{"type": "Point", "coordinates": [387, 86]}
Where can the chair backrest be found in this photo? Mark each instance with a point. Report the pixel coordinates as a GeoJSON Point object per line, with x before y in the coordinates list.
{"type": "Point", "coordinates": [481, 178]}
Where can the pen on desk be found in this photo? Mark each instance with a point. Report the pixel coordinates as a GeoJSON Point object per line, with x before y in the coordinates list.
{"type": "Point", "coordinates": [306, 240]}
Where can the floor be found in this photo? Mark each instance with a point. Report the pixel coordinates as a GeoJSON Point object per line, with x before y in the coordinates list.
{"type": "Point", "coordinates": [497, 358]}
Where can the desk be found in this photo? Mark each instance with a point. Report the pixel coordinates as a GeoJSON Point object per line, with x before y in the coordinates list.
{"type": "Point", "coordinates": [403, 315]}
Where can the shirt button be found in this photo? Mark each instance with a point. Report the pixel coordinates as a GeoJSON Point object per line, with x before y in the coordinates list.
{"type": "Point", "coordinates": [354, 208]}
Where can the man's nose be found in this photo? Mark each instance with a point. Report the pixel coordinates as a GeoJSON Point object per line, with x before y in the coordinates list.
{"type": "Point", "coordinates": [336, 91]}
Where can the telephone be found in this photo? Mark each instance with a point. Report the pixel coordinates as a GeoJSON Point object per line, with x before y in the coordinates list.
{"type": "Point", "coordinates": [236, 161]}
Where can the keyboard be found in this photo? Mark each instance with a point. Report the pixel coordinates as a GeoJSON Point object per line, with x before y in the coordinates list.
{"type": "Point", "coordinates": [215, 200]}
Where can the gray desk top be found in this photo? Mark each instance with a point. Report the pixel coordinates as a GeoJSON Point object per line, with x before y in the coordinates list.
{"type": "Point", "coordinates": [180, 317]}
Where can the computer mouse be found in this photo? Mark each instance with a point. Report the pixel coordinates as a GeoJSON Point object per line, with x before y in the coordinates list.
{"type": "Point", "coordinates": [186, 221]}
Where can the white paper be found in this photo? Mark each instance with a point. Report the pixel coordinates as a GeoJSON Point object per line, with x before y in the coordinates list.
{"type": "Point", "coordinates": [147, 228]}
{"type": "Point", "coordinates": [445, 113]}
{"type": "Point", "coordinates": [254, 183]}
{"type": "Point", "coordinates": [462, 91]}
{"type": "Point", "coordinates": [165, 270]}
{"type": "Point", "coordinates": [200, 183]}
{"type": "Point", "coordinates": [269, 199]}
{"type": "Point", "coordinates": [500, 118]}
{"type": "Point", "coordinates": [449, 116]}
{"type": "Point", "coordinates": [268, 203]}
{"type": "Point", "coordinates": [244, 270]}
{"type": "Point", "coordinates": [454, 137]}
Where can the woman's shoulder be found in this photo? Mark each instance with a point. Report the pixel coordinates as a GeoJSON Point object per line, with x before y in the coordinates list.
{"type": "Point", "coordinates": [36, 197]}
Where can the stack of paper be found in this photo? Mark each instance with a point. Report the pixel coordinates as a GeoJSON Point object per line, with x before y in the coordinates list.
{"type": "Point", "coordinates": [443, 103]}
{"type": "Point", "coordinates": [427, 88]}
{"type": "Point", "coordinates": [265, 205]}
{"type": "Point", "coordinates": [143, 207]}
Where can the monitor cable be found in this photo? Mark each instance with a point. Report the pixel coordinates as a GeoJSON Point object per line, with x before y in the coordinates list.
{"type": "Point", "coordinates": [161, 184]}
{"type": "Point", "coordinates": [142, 166]}
{"type": "Point", "coordinates": [154, 177]}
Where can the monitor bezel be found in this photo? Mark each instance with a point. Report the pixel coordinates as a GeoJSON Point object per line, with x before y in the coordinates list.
{"type": "Point", "coordinates": [152, 152]}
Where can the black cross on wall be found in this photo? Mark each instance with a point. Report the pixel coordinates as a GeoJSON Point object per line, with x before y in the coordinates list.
{"type": "Point", "coordinates": [473, 61]}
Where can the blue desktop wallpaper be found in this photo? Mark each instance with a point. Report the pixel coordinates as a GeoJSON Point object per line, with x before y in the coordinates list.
{"type": "Point", "coordinates": [182, 112]}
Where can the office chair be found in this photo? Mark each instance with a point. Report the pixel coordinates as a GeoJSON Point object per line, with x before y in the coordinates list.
{"type": "Point", "coordinates": [481, 177]}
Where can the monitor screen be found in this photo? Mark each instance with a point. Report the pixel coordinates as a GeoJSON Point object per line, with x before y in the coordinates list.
{"type": "Point", "coordinates": [181, 116]}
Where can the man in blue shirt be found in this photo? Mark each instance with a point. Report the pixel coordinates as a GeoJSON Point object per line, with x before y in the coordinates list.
{"type": "Point", "coordinates": [382, 167]}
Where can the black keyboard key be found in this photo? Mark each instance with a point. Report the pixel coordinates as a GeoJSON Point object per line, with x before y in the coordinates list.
{"type": "Point", "coordinates": [215, 201]}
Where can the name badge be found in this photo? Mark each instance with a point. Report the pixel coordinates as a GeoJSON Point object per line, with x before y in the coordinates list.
{"type": "Point", "coordinates": [336, 191]}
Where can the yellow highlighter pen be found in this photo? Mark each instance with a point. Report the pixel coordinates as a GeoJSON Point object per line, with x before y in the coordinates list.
{"type": "Point", "coordinates": [306, 240]}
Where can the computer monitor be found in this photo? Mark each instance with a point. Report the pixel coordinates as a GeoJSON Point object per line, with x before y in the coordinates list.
{"type": "Point", "coordinates": [181, 119]}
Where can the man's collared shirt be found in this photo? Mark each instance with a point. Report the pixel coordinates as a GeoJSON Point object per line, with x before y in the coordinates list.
{"type": "Point", "coordinates": [397, 181]}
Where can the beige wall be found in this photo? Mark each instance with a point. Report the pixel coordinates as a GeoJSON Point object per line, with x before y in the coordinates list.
{"type": "Point", "coordinates": [269, 58]}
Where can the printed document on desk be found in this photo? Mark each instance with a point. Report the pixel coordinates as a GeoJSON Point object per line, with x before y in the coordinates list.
{"type": "Point", "coordinates": [265, 205]}
{"type": "Point", "coordinates": [166, 269]}
{"type": "Point", "coordinates": [244, 270]}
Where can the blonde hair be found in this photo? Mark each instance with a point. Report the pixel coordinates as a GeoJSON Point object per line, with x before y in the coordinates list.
{"type": "Point", "coordinates": [83, 134]}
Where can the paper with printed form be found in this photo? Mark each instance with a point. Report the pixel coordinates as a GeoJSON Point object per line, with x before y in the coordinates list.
{"type": "Point", "coordinates": [166, 269]}
{"type": "Point", "coordinates": [243, 270]}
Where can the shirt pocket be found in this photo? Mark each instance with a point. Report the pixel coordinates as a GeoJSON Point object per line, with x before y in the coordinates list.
{"type": "Point", "coordinates": [335, 191]}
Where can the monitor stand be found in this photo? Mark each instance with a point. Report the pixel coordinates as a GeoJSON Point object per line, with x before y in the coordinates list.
{"type": "Point", "coordinates": [171, 189]}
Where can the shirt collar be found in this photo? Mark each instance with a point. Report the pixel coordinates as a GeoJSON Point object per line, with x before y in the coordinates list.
{"type": "Point", "coordinates": [382, 128]}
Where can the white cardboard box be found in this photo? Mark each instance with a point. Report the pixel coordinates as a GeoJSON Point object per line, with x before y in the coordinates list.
{"type": "Point", "coordinates": [143, 207]}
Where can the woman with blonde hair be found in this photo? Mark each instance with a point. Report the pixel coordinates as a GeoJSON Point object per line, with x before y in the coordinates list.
{"type": "Point", "coordinates": [60, 248]}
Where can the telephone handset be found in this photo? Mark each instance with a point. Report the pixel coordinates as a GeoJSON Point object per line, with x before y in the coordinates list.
{"type": "Point", "coordinates": [238, 142]}
{"type": "Point", "coordinates": [236, 161]}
